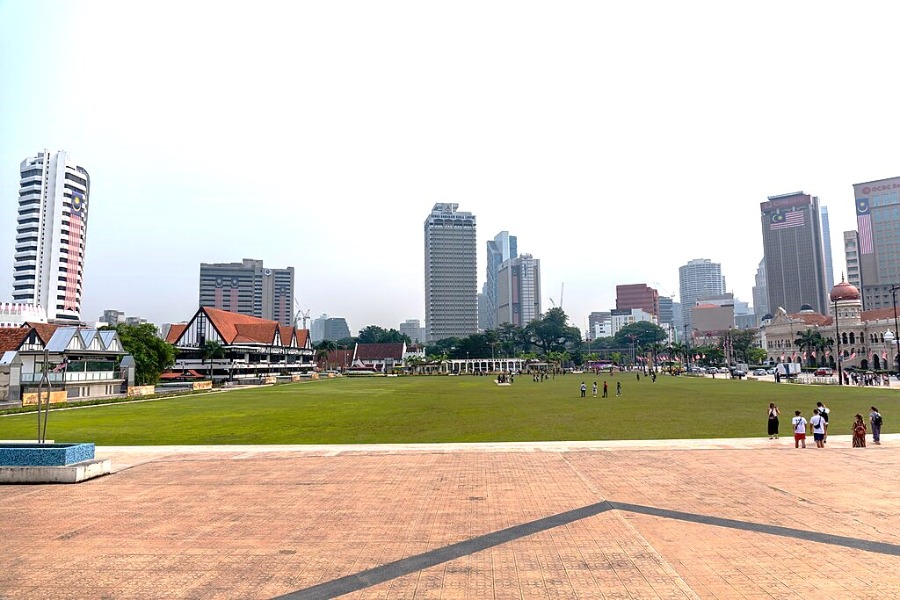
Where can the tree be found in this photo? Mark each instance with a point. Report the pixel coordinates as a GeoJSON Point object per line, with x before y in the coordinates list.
{"type": "Point", "coordinates": [322, 350]}
{"type": "Point", "coordinates": [551, 333]}
{"type": "Point", "coordinates": [644, 332]}
{"type": "Point", "coordinates": [152, 355]}
{"type": "Point", "coordinates": [211, 350]}
{"type": "Point", "coordinates": [756, 356]}
{"type": "Point", "coordinates": [741, 343]}
{"type": "Point", "coordinates": [373, 334]}
{"type": "Point", "coordinates": [809, 341]}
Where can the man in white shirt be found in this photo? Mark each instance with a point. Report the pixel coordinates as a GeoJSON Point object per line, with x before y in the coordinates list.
{"type": "Point", "coordinates": [799, 424]}
{"type": "Point", "coordinates": [817, 422]}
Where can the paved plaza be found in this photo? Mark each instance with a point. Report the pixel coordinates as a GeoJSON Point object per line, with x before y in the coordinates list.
{"type": "Point", "coordinates": [750, 518]}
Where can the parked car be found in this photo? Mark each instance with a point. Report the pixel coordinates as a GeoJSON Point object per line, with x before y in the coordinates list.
{"type": "Point", "coordinates": [723, 370]}
{"type": "Point", "coordinates": [824, 372]}
{"type": "Point", "coordinates": [770, 371]}
{"type": "Point", "coordinates": [759, 372]}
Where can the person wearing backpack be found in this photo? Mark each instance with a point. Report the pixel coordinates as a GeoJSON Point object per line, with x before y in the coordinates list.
{"type": "Point", "coordinates": [817, 422]}
{"type": "Point", "coordinates": [824, 413]}
{"type": "Point", "coordinates": [876, 421]}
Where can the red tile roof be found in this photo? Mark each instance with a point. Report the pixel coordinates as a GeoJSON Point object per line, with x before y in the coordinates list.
{"type": "Point", "coordinates": [44, 330]}
{"type": "Point", "coordinates": [12, 337]}
{"type": "Point", "coordinates": [379, 351]}
{"type": "Point", "coordinates": [811, 318]}
{"type": "Point", "coordinates": [302, 337]}
{"type": "Point", "coordinates": [287, 335]}
{"type": "Point", "coordinates": [175, 332]}
{"type": "Point", "coordinates": [878, 314]}
{"type": "Point", "coordinates": [262, 332]}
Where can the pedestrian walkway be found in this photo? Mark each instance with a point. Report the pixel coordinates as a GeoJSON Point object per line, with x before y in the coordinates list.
{"type": "Point", "coordinates": [748, 518]}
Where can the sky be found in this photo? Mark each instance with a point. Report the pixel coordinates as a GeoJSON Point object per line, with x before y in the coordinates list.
{"type": "Point", "coordinates": [618, 141]}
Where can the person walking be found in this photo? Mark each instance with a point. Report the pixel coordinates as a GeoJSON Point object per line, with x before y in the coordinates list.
{"type": "Point", "coordinates": [583, 389]}
{"type": "Point", "coordinates": [618, 388]}
{"type": "Point", "coordinates": [799, 424]}
{"type": "Point", "coordinates": [817, 422]}
{"type": "Point", "coordinates": [824, 412]}
{"type": "Point", "coordinates": [605, 390]}
{"type": "Point", "coordinates": [773, 421]}
{"type": "Point", "coordinates": [859, 432]}
{"type": "Point", "coordinates": [876, 421]}
{"type": "Point", "coordinates": [594, 390]}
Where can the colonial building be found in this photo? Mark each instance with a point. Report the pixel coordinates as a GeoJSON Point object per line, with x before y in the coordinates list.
{"type": "Point", "coordinates": [857, 335]}
{"type": "Point", "coordinates": [381, 358]}
{"type": "Point", "coordinates": [252, 347]}
{"type": "Point", "coordinates": [82, 363]}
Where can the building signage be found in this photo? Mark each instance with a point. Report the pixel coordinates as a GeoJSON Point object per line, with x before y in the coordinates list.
{"type": "Point", "coordinates": [864, 189]}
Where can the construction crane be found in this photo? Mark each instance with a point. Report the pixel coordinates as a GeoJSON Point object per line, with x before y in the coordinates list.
{"type": "Point", "coordinates": [300, 314]}
{"type": "Point", "coordinates": [562, 289]}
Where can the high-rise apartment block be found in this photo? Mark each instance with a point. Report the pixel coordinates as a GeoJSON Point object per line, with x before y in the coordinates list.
{"type": "Point", "coordinates": [794, 252]}
{"type": "Point", "coordinates": [851, 256]}
{"type": "Point", "coordinates": [878, 228]}
{"type": "Point", "coordinates": [451, 308]}
{"type": "Point", "coordinates": [51, 231]}
{"type": "Point", "coordinates": [638, 295]}
{"type": "Point", "coordinates": [699, 278]}
{"type": "Point", "coordinates": [503, 247]}
{"type": "Point", "coordinates": [249, 288]}
{"type": "Point", "coordinates": [519, 291]}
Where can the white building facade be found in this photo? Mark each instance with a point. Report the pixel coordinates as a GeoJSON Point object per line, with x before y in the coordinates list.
{"type": "Point", "coordinates": [519, 291]}
{"type": "Point", "coordinates": [451, 287]}
{"type": "Point", "coordinates": [51, 232]}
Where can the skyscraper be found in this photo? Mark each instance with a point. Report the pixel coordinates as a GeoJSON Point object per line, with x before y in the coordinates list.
{"type": "Point", "coordinates": [698, 278]}
{"type": "Point", "coordinates": [451, 308]}
{"type": "Point", "coordinates": [638, 295]}
{"type": "Point", "coordinates": [502, 247]}
{"type": "Point", "coordinates": [878, 226]}
{"type": "Point", "coordinates": [761, 292]}
{"type": "Point", "coordinates": [249, 288]}
{"type": "Point", "coordinates": [851, 256]}
{"type": "Point", "coordinates": [51, 232]}
{"type": "Point", "coordinates": [826, 241]}
{"type": "Point", "coordinates": [519, 291]}
{"type": "Point", "coordinates": [794, 252]}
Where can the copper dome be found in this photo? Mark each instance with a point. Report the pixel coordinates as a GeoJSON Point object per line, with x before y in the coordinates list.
{"type": "Point", "coordinates": [844, 291]}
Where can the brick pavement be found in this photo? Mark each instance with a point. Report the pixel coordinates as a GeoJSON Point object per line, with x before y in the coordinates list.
{"type": "Point", "coordinates": [675, 519]}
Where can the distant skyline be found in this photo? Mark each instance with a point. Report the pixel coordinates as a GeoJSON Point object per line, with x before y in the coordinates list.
{"type": "Point", "coordinates": [617, 142]}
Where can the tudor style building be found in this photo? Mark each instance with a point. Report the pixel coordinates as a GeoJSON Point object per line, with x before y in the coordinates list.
{"type": "Point", "coordinates": [82, 362]}
{"type": "Point", "coordinates": [860, 334]}
{"type": "Point", "coordinates": [253, 347]}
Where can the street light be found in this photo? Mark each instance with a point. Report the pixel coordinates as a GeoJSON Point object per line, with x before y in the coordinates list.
{"type": "Point", "coordinates": [837, 335]}
{"type": "Point", "coordinates": [894, 289]}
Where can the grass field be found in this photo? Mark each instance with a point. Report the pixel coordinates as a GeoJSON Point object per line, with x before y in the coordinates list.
{"type": "Point", "coordinates": [459, 409]}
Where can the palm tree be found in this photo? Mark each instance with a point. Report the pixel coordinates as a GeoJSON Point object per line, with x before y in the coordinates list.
{"type": "Point", "coordinates": [808, 340]}
{"type": "Point", "coordinates": [322, 350]}
{"type": "Point", "coordinates": [211, 350]}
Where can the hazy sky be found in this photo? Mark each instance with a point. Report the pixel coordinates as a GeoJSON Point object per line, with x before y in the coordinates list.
{"type": "Point", "coordinates": [616, 140]}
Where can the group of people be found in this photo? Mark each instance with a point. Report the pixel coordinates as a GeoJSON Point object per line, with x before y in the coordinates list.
{"type": "Point", "coordinates": [605, 389]}
{"type": "Point", "coordinates": [818, 423]}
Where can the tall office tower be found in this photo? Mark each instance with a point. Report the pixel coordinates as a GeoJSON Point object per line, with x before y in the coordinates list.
{"type": "Point", "coordinates": [666, 311]}
{"type": "Point", "coordinates": [519, 291]}
{"type": "Point", "coordinates": [596, 321]}
{"type": "Point", "coordinates": [851, 256]}
{"type": "Point", "coordinates": [451, 305]}
{"type": "Point", "coordinates": [698, 278]}
{"type": "Point", "coordinates": [638, 295]}
{"type": "Point", "coordinates": [761, 293]}
{"type": "Point", "coordinates": [335, 329]}
{"type": "Point", "coordinates": [317, 328]}
{"type": "Point", "coordinates": [51, 231]}
{"type": "Point", "coordinates": [826, 240]}
{"type": "Point", "coordinates": [878, 225]}
{"type": "Point", "coordinates": [250, 289]}
{"type": "Point", "coordinates": [412, 329]}
{"type": "Point", "coordinates": [795, 261]}
{"type": "Point", "coordinates": [485, 321]}
{"type": "Point", "coordinates": [502, 247]}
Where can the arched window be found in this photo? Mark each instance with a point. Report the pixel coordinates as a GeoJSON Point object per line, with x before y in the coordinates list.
{"type": "Point", "coordinates": [844, 338]}
{"type": "Point", "coordinates": [852, 338]}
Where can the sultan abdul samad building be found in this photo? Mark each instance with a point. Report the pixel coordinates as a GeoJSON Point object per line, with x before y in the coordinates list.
{"type": "Point", "coordinates": [861, 333]}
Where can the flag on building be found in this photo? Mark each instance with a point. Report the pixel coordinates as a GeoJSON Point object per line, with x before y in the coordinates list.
{"type": "Point", "coordinates": [786, 220]}
{"type": "Point", "coordinates": [61, 366]}
{"type": "Point", "coordinates": [864, 225]}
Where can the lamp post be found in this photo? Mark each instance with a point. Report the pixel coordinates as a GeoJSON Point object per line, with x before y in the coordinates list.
{"type": "Point", "coordinates": [837, 336]}
{"type": "Point", "coordinates": [894, 289]}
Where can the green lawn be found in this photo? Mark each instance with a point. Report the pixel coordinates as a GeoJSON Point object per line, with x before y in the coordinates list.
{"type": "Point", "coordinates": [458, 409]}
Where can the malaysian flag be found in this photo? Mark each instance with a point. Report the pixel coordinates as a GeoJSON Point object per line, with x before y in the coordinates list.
{"type": "Point", "coordinates": [61, 366]}
{"type": "Point", "coordinates": [73, 252]}
{"type": "Point", "coordinates": [785, 220]}
{"type": "Point", "coordinates": [864, 225]}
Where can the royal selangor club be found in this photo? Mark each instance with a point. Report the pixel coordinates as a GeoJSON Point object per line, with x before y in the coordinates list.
{"type": "Point", "coordinates": [249, 328]}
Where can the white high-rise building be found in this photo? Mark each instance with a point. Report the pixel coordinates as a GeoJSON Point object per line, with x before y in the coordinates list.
{"type": "Point", "coordinates": [519, 291]}
{"type": "Point", "coordinates": [51, 231]}
{"type": "Point", "coordinates": [697, 279]}
{"type": "Point", "coordinates": [451, 286]}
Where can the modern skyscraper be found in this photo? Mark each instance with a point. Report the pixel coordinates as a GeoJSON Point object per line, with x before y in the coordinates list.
{"type": "Point", "coordinates": [638, 295]}
{"type": "Point", "coordinates": [794, 252]}
{"type": "Point", "coordinates": [502, 247]}
{"type": "Point", "coordinates": [248, 288]}
{"type": "Point", "coordinates": [519, 291]}
{"type": "Point", "coordinates": [761, 292]}
{"type": "Point", "coordinates": [826, 240]}
{"type": "Point", "coordinates": [851, 256]}
{"type": "Point", "coordinates": [413, 330]}
{"type": "Point", "coordinates": [698, 278]}
{"type": "Point", "coordinates": [451, 308]}
{"type": "Point", "coordinates": [51, 232]}
{"type": "Point", "coordinates": [666, 311]}
{"type": "Point", "coordinates": [878, 226]}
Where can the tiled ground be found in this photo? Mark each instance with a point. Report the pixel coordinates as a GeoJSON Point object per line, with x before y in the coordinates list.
{"type": "Point", "coordinates": [682, 519]}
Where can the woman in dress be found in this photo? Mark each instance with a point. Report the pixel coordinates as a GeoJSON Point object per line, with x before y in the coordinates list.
{"type": "Point", "coordinates": [773, 421]}
{"type": "Point", "coordinates": [859, 432]}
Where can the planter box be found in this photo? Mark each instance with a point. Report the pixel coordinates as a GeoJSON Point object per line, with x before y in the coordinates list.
{"type": "Point", "coordinates": [44, 455]}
